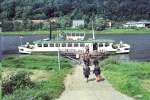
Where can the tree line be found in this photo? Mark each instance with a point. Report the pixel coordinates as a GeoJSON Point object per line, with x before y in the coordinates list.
{"type": "Point", "coordinates": [118, 10]}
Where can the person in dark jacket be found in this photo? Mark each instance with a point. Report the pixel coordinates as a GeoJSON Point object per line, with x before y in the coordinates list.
{"type": "Point", "coordinates": [86, 71]}
{"type": "Point", "coordinates": [95, 62]}
{"type": "Point", "coordinates": [97, 70]}
{"type": "Point", "coordinates": [86, 59]}
{"type": "Point", "coordinates": [87, 49]}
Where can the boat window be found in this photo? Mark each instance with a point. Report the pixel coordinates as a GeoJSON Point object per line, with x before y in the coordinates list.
{"type": "Point", "coordinates": [21, 49]}
{"type": "Point", "coordinates": [106, 44]}
{"type": "Point", "coordinates": [82, 45]}
{"type": "Point", "coordinates": [69, 44]}
{"type": "Point", "coordinates": [126, 48]}
{"type": "Point", "coordinates": [76, 45]}
{"type": "Point", "coordinates": [64, 45]}
{"type": "Point", "coordinates": [57, 44]}
{"type": "Point", "coordinates": [100, 44]}
{"type": "Point", "coordinates": [45, 45]}
{"type": "Point", "coordinates": [51, 45]}
{"type": "Point", "coordinates": [73, 34]}
{"type": "Point", "coordinates": [95, 46]}
{"type": "Point", "coordinates": [39, 45]}
{"type": "Point", "coordinates": [114, 46]}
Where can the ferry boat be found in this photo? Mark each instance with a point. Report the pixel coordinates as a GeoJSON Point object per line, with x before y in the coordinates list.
{"type": "Point", "coordinates": [75, 45]}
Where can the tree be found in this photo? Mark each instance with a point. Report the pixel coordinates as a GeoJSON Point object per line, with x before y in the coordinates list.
{"type": "Point", "coordinates": [65, 21]}
{"type": "Point", "coordinates": [17, 26]}
{"type": "Point", "coordinates": [7, 25]}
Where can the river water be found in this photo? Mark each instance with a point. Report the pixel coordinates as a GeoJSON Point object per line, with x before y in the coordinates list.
{"type": "Point", "coordinates": [140, 44]}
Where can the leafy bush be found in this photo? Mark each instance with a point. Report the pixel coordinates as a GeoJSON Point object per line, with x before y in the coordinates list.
{"type": "Point", "coordinates": [42, 90]}
{"type": "Point", "coordinates": [19, 80]}
{"type": "Point", "coordinates": [28, 94]}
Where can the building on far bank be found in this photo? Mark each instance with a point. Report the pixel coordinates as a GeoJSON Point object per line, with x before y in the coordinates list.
{"type": "Point", "coordinates": [137, 24]}
{"type": "Point", "coordinates": [77, 23]}
{"type": "Point", "coordinates": [0, 26]}
{"type": "Point", "coordinates": [39, 21]}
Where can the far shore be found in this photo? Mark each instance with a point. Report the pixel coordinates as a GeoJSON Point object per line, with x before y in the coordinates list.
{"type": "Point", "coordinates": [106, 32]}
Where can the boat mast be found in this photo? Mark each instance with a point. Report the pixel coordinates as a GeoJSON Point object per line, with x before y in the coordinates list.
{"type": "Point", "coordinates": [58, 52]}
{"type": "Point", "coordinates": [50, 31]}
{"type": "Point", "coordinates": [93, 31]}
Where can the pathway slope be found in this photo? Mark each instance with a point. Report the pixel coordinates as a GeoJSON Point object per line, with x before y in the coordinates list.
{"type": "Point", "coordinates": [78, 89]}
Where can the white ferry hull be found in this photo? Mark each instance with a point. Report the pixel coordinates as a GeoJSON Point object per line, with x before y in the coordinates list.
{"type": "Point", "coordinates": [123, 52]}
{"type": "Point", "coordinates": [72, 48]}
{"type": "Point", "coordinates": [24, 50]}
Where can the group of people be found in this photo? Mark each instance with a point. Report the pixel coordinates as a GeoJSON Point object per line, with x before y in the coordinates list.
{"type": "Point", "coordinates": [86, 67]}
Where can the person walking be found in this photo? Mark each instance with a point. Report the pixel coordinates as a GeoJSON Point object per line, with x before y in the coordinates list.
{"type": "Point", "coordinates": [86, 71]}
{"type": "Point", "coordinates": [97, 70]}
{"type": "Point", "coordinates": [87, 49]}
{"type": "Point", "coordinates": [86, 59]}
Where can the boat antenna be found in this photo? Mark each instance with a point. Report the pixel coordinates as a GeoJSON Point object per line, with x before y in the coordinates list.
{"type": "Point", "coordinates": [50, 30]}
{"type": "Point", "coordinates": [93, 31]}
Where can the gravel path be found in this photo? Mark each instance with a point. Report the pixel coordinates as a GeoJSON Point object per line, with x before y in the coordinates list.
{"type": "Point", "coordinates": [78, 89]}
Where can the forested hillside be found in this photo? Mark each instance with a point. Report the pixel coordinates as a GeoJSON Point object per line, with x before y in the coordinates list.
{"type": "Point", "coordinates": [76, 9]}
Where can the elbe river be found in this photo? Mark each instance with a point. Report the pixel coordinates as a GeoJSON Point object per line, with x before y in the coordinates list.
{"type": "Point", "coordinates": [140, 44]}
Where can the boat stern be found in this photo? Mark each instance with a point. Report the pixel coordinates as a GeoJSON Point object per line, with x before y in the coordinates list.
{"type": "Point", "coordinates": [123, 49]}
{"type": "Point", "coordinates": [24, 50]}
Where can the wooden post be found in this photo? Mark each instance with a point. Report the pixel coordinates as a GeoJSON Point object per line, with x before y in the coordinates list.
{"type": "Point", "coordinates": [58, 54]}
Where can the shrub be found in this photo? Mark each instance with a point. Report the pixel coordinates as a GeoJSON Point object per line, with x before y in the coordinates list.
{"type": "Point", "coordinates": [19, 80]}
{"type": "Point", "coordinates": [29, 94]}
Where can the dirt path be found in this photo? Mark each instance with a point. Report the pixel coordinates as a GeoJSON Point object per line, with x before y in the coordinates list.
{"type": "Point", "coordinates": [78, 89]}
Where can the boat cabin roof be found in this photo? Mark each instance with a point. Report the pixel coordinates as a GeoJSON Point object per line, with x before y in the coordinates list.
{"type": "Point", "coordinates": [77, 41]}
{"type": "Point", "coordinates": [74, 34]}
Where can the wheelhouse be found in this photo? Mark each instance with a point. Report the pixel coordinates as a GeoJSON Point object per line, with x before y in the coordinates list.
{"type": "Point", "coordinates": [75, 36]}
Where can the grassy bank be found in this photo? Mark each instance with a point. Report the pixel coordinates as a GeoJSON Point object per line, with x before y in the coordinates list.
{"type": "Point", "coordinates": [0, 77]}
{"type": "Point", "coordinates": [34, 62]}
{"type": "Point", "coordinates": [0, 70]}
{"type": "Point", "coordinates": [107, 31]}
{"type": "Point", "coordinates": [52, 87]}
{"type": "Point", "coordinates": [45, 32]}
{"type": "Point", "coordinates": [131, 78]}
{"type": "Point", "coordinates": [127, 31]}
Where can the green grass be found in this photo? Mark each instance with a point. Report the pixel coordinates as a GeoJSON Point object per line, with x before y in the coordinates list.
{"type": "Point", "coordinates": [0, 70]}
{"type": "Point", "coordinates": [34, 62]}
{"type": "Point", "coordinates": [52, 87]}
{"type": "Point", "coordinates": [25, 33]}
{"type": "Point", "coordinates": [128, 77]}
{"type": "Point", "coordinates": [46, 32]}
{"type": "Point", "coordinates": [0, 77]}
{"type": "Point", "coordinates": [49, 88]}
{"type": "Point", "coordinates": [107, 31]}
{"type": "Point", "coordinates": [127, 31]}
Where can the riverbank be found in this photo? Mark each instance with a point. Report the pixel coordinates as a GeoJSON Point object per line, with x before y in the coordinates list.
{"type": "Point", "coordinates": [45, 74]}
{"type": "Point", "coordinates": [0, 70]}
{"type": "Point", "coordinates": [131, 78]}
{"type": "Point", "coordinates": [107, 31]}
